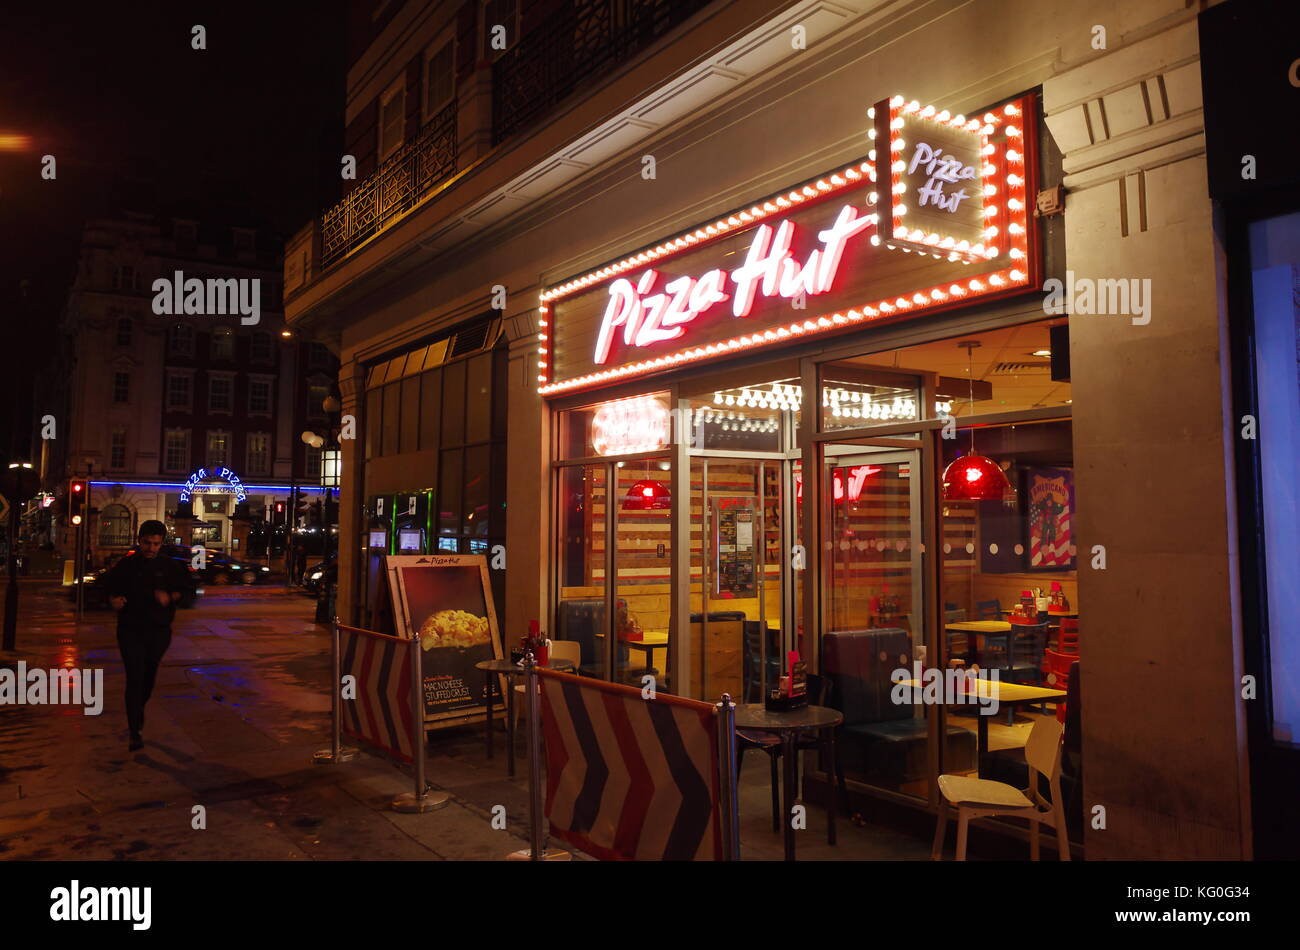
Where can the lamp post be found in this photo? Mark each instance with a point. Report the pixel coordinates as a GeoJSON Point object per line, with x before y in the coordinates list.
{"type": "Point", "coordinates": [331, 472]}
{"type": "Point", "coordinates": [17, 483]}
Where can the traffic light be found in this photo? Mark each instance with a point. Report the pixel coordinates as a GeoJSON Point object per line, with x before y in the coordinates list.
{"type": "Point", "coordinates": [279, 507]}
{"type": "Point", "coordinates": [77, 491]}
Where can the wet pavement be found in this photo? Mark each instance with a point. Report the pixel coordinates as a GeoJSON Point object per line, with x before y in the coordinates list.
{"type": "Point", "coordinates": [239, 708]}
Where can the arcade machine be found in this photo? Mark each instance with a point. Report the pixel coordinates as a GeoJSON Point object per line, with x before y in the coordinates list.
{"type": "Point", "coordinates": [379, 541]}
{"type": "Point", "coordinates": [411, 527]}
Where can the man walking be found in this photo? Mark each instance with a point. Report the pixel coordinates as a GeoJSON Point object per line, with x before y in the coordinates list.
{"type": "Point", "coordinates": [143, 587]}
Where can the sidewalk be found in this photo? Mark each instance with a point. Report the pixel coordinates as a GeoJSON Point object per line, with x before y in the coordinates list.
{"type": "Point", "coordinates": [239, 708]}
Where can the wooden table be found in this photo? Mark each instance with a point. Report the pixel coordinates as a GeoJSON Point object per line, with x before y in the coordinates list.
{"type": "Point", "coordinates": [1007, 694]}
{"type": "Point", "coordinates": [651, 641]}
{"type": "Point", "coordinates": [788, 725]}
{"type": "Point", "coordinates": [1000, 629]}
{"type": "Point", "coordinates": [509, 668]}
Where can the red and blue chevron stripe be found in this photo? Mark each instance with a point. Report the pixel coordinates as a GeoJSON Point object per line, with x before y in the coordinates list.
{"type": "Point", "coordinates": [630, 779]}
{"type": "Point", "coordinates": [381, 713]}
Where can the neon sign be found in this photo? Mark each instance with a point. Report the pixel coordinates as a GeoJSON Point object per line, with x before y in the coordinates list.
{"type": "Point", "coordinates": [857, 480]}
{"type": "Point", "coordinates": [202, 475]}
{"type": "Point", "coordinates": [769, 266]}
{"type": "Point", "coordinates": [624, 426]}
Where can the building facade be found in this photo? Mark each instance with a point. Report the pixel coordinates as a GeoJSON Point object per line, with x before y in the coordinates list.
{"type": "Point", "coordinates": [197, 413]}
{"type": "Point", "coordinates": [710, 279]}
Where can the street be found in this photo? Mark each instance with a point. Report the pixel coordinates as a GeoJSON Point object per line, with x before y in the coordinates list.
{"type": "Point", "coordinates": [239, 707]}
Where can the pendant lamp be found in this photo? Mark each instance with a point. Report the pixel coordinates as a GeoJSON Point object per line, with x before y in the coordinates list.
{"type": "Point", "coordinates": [973, 477]}
{"type": "Point", "coordinates": [646, 495]}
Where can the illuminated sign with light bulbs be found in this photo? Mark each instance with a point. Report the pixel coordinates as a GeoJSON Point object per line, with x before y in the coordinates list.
{"type": "Point", "coordinates": [941, 223]}
{"type": "Point", "coordinates": [624, 426]}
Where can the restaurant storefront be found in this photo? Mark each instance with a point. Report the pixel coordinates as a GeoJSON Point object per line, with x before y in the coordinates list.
{"type": "Point", "coordinates": [868, 325]}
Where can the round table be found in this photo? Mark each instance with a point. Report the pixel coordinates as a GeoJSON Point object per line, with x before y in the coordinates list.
{"type": "Point", "coordinates": [510, 668]}
{"type": "Point", "coordinates": [788, 725]}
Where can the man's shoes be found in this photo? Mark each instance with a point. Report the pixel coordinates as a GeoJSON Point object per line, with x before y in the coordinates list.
{"type": "Point", "coordinates": [136, 742]}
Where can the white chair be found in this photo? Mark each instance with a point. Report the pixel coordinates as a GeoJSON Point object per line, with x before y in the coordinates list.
{"type": "Point", "coordinates": [984, 798]}
{"type": "Point", "coordinates": [560, 650]}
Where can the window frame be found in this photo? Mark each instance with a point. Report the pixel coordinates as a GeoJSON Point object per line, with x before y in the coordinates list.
{"type": "Point", "coordinates": [213, 377]}
{"type": "Point", "coordinates": [445, 42]}
{"type": "Point", "coordinates": [187, 435]}
{"type": "Point", "coordinates": [189, 338]}
{"type": "Point", "coordinates": [113, 464]}
{"type": "Point", "coordinates": [397, 88]}
{"type": "Point", "coordinates": [118, 374]}
{"type": "Point", "coordinates": [512, 31]}
{"type": "Point", "coordinates": [261, 380]}
{"type": "Point", "coordinates": [210, 458]}
{"type": "Point", "coordinates": [129, 325]}
{"type": "Point", "coordinates": [221, 333]}
{"type": "Point", "coordinates": [265, 467]}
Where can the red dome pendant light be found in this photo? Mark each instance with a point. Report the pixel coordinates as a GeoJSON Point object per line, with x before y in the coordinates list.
{"type": "Point", "coordinates": [973, 477]}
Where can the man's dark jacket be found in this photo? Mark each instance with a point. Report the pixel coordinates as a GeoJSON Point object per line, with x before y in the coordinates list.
{"type": "Point", "coordinates": [136, 577]}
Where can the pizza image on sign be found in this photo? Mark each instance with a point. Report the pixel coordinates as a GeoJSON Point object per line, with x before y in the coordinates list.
{"type": "Point", "coordinates": [454, 628]}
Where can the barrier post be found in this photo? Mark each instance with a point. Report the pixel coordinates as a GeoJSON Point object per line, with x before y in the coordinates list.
{"type": "Point", "coordinates": [727, 786]}
{"type": "Point", "coordinates": [536, 850]}
{"type": "Point", "coordinates": [337, 752]}
{"type": "Point", "coordinates": [421, 800]}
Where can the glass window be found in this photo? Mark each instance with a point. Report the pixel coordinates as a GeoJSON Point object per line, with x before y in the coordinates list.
{"type": "Point", "coordinates": [500, 29]}
{"type": "Point", "coordinates": [176, 450]}
{"type": "Point", "coordinates": [259, 453]}
{"type": "Point", "coordinates": [643, 570]}
{"type": "Point", "coordinates": [453, 403]}
{"type": "Point", "coordinates": [392, 119]}
{"type": "Point", "coordinates": [178, 391]}
{"type": "Point", "coordinates": [450, 506]}
{"type": "Point", "coordinates": [392, 415]}
{"type": "Point", "coordinates": [220, 393]}
{"type": "Point", "coordinates": [617, 427]}
{"type": "Point", "coordinates": [115, 526]}
{"type": "Point", "coordinates": [117, 449]}
{"type": "Point", "coordinates": [478, 399]}
{"type": "Point", "coordinates": [223, 344]}
{"type": "Point", "coordinates": [374, 422]}
{"type": "Point", "coordinates": [259, 395]}
{"type": "Point", "coordinates": [410, 414]}
{"type": "Point", "coordinates": [262, 348]}
{"type": "Point", "coordinates": [180, 340]}
{"type": "Point", "coordinates": [856, 396]}
{"type": "Point", "coordinates": [440, 78]}
{"type": "Point", "coordinates": [430, 407]}
{"type": "Point", "coordinates": [316, 396]}
{"type": "Point", "coordinates": [478, 475]}
{"type": "Point", "coordinates": [747, 418]}
{"type": "Point", "coordinates": [121, 386]}
{"type": "Point", "coordinates": [313, 462]}
{"type": "Point", "coordinates": [125, 330]}
{"type": "Point", "coordinates": [218, 448]}
{"type": "Point", "coordinates": [581, 615]}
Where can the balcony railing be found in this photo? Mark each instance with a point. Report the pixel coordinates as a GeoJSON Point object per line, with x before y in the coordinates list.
{"type": "Point", "coordinates": [579, 42]}
{"type": "Point", "coordinates": [397, 186]}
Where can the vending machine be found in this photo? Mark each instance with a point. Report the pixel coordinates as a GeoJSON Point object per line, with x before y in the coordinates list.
{"type": "Point", "coordinates": [411, 529]}
{"type": "Point", "coordinates": [379, 541]}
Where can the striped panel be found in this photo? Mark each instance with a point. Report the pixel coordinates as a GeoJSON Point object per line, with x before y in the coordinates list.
{"type": "Point", "coordinates": [630, 779]}
{"type": "Point", "coordinates": [380, 715]}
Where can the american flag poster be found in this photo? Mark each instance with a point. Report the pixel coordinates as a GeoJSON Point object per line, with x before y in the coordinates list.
{"type": "Point", "coordinates": [1051, 513]}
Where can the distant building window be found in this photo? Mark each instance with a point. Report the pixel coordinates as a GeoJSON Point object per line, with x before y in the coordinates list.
{"type": "Point", "coordinates": [220, 393]}
{"type": "Point", "coordinates": [180, 340]}
{"type": "Point", "coordinates": [125, 278]}
{"type": "Point", "coordinates": [440, 79]}
{"type": "Point", "coordinates": [125, 330]}
{"type": "Point", "coordinates": [259, 395]}
{"type": "Point", "coordinates": [313, 463]}
{"type": "Point", "coordinates": [318, 355]}
{"type": "Point", "coordinates": [316, 396]}
{"type": "Point", "coordinates": [115, 527]}
{"type": "Point", "coordinates": [176, 450]}
{"type": "Point", "coordinates": [117, 449]}
{"type": "Point", "coordinates": [218, 448]}
{"type": "Point", "coordinates": [121, 386]}
{"type": "Point", "coordinates": [392, 119]}
{"type": "Point", "coordinates": [262, 348]}
{"type": "Point", "coordinates": [503, 14]}
{"type": "Point", "coordinates": [259, 453]}
{"type": "Point", "coordinates": [223, 344]}
{"type": "Point", "coordinates": [179, 391]}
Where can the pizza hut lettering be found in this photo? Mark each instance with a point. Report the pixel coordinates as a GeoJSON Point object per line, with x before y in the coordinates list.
{"type": "Point", "coordinates": [648, 318]}
{"type": "Point", "coordinates": [941, 169]}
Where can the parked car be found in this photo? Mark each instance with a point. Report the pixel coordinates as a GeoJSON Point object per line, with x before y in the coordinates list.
{"type": "Point", "coordinates": [221, 569]}
{"type": "Point", "coordinates": [326, 571]}
{"type": "Point", "coordinates": [96, 589]}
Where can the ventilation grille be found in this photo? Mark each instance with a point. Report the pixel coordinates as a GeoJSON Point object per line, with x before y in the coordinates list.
{"type": "Point", "coordinates": [471, 340]}
{"type": "Point", "coordinates": [1016, 368]}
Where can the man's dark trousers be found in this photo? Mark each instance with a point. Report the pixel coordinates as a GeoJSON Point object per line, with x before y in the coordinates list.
{"type": "Point", "coordinates": [142, 647]}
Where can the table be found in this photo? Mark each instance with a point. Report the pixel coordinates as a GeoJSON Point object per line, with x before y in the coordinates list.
{"type": "Point", "coordinates": [648, 644]}
{"type": "Point", "coordinates": [509, 668]}
{"type": "Point", "coordinates": [1007, 694]}
{"type": "Point", "coordinates": [788, 725]}
{"type": "Point", "coordinates": [1000, 629]}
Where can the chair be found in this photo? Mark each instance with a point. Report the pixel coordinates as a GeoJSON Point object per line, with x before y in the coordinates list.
{"type": "Point", "coordinates": [1056, 675]}
{"type": "Point", "coordinates": [560, 650]}
{"type": "Point", "coordinates": [984, 798]}
{"type": "Point", "coordinates": [988, 609]}
{"type": "Point", "coordinates": [581, 620]}
{"type": "Point", "coordinates": [1069, 636]}
{"type": "Point", "coordinates": [755, 632]}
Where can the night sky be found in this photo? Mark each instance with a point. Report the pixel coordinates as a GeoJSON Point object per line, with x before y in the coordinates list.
{"type": "Point", "coordinates": [247, 131]}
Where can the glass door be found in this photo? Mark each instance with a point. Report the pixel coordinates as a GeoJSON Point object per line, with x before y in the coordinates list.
{"type": "Point", "coordinates": [737, 576]}
{"type": "Point", "coordinates": [874, 563]}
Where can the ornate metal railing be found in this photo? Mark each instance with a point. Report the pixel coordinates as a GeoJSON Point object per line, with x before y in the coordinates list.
{"type": "Point", "coordinates": [398, 185]}
{"type": "Point", "coordinates": [579, 42]}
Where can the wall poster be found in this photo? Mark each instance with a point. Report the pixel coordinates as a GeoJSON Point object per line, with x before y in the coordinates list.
{"type": "Point", "coordinates": [1051, 517]}
{"type": "Point", "coordinates": [735, 546]}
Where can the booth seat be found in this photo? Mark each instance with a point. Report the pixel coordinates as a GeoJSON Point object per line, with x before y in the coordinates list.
{"type": "Point", "coordinates": [882, 742]}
